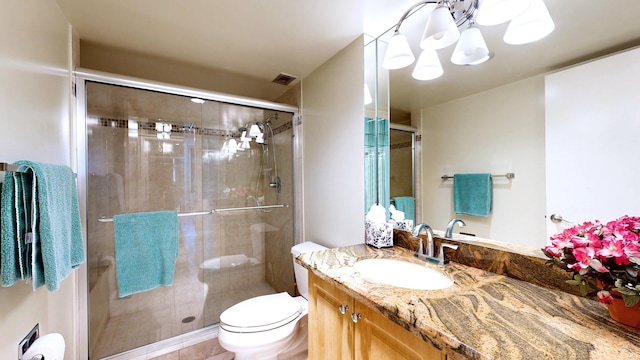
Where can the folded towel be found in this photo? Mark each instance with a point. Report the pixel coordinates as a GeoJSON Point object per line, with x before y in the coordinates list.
{"type": "Point", "coordinates": [472, 194]}
{"type": "Point", "coordinates": [406, 204]}
{"type": "Point", "coordinates": [41, 228]}
{"type": "Point", "coordinates": [146, 246]}
{"type": "Point", "coordinates": [14, 225]}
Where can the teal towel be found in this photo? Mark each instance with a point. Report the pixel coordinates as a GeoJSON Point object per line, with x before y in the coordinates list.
{"type": "Point", "coordinates": [40, 203]}
{"type": "Point", "coordinates": [14, 224]}
{"type": "Point", "coordinates": [146, 247]}
{"type": "Point", "coordinates": [472, 194]}
{"type": "Point", "coordinates": [406, 204]}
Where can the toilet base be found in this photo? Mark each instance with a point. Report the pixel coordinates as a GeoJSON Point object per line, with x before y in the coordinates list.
{"type": "Point", "coordinates": [291, 341]}
{"type": "Point", "coordinates": [262, 350]}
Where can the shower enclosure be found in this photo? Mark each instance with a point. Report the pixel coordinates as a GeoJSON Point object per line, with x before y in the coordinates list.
{"type": "Point", "coordinates": [152, 151]}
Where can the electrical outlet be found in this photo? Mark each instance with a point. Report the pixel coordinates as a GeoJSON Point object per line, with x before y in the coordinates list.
{"type": "Point", "coordinates": [28, 340]}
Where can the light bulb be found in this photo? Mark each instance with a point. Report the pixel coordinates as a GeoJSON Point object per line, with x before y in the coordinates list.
{"type": "Point", "coordinates": [428, 66]}
{"type": "Point", "coordinates": [534, 24]}
{"type": "Point", "coordinates": [398, 53]}
{"type": "Point", "coordinates": [471, 49]}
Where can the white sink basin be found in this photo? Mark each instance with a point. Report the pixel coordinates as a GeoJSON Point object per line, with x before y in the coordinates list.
{"type": "Point", "coordinates": [403, 274]}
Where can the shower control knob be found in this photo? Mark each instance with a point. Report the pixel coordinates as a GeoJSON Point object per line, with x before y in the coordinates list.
{"type": "Point", "coordinates": [343, 309]}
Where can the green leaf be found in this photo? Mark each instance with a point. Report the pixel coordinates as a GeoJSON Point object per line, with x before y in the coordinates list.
{"type": "Point", "coordinates": [573, 282]}
{"type": "Point", "coordinates": [585, 289]}
{"type": "Point", "coordinates": [625, 291]}
{"type": "Point", "coordinates": [630, 300]}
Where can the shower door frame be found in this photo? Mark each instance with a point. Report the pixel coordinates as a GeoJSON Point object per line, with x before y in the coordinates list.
{"type": "Point", "coordinates": [80, 157]}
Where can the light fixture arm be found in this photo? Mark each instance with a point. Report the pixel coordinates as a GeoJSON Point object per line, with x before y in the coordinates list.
{"type": "Point", "coordinates": [410, 11]}
{"type": "Point", "coordinates": [465, 15]}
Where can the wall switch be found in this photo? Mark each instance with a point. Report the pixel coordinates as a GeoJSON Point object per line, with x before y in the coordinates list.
{"type": "Point", "coordinates": [28, 340]}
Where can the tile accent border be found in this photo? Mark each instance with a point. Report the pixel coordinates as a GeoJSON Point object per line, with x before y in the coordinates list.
{"type": "Point", "coordinates": [148, 124]}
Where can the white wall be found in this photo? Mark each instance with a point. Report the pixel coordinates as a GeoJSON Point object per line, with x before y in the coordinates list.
{"type": "Point", "coordinates": [34, 113]}
{"type": "Point", "coordinates": [333, 165]}
{"type": "Point", "coordinates": [118, 61]}
{"type": "Point", "coordinates": [497, 131]}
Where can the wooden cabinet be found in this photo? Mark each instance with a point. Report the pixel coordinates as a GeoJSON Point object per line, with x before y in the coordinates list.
{"type": "Point", "coordinates": [342, 328]}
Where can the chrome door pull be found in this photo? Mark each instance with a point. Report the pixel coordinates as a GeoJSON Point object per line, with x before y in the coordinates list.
{"type": "Point", "coordinates": [355, 317]}
{"type": "Point", "coordinates": [343, 309]}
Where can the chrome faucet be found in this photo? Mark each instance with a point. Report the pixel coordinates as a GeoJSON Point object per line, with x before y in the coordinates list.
{"type": "Point", "coordinates": [449, 233]}
{"type": "Point", "coordinates": [440, 258]}
{"type": "Point", "coordinates": [428, 249]}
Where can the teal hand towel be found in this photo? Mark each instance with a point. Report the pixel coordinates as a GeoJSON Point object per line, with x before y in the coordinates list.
{"type": "Point", "coordinates": [146, 249]}
{"type": "Point", "coordinates": [472, 194]}
{"type": "Point", "coordinates": [406, 204]}
{"type": "Point", "coordinates": [14, 223]}
{"type": "Point", "coordinates": [41, 226]}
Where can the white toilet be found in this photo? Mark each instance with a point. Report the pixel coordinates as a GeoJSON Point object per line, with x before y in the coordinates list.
{"type": "Point", "coordinates": [262, 327]}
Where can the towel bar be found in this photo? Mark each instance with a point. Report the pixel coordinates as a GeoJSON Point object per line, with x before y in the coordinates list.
{"type": "Point", "coordinates": [15, 168]}
{"type": "Point", "coordinates": [507, 175]}
{"type": "Point", "coordinates": [8, 167]}
{"type": "Point", "coordinates": [209, 212]}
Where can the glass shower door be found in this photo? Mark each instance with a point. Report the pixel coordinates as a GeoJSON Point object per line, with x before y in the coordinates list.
{"type": "Point", "coordinates": [150, 151]}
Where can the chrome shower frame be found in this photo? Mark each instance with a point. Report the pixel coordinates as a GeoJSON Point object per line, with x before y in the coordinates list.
{"type": "Point", "coordinates": [79, 153]}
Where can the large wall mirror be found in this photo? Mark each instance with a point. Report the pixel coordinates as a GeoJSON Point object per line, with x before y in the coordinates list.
{"type": "Point", "coordinates": [490, 118]}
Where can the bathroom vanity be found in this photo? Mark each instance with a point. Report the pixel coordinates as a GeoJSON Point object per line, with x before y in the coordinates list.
{"type": "Point", "coordinates": [344, 328]}
{"type": "Point", "coordinates": [482, 316]}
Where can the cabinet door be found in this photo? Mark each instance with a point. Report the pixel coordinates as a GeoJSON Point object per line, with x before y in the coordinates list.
{"type": "Point", "coordinates": [378, 338]}
{"type": "Point", "coordinates": [330, 331]}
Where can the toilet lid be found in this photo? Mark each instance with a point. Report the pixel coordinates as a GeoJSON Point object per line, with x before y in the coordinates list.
{"type": "Point", "coordinates": [260, 313]}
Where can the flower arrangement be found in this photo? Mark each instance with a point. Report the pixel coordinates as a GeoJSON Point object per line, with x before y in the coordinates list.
{"type": "Point", "coordinates": [607, 254]}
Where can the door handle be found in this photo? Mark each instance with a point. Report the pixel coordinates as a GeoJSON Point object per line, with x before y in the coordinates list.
{"type": "Point", "coordinates": [343, 309]}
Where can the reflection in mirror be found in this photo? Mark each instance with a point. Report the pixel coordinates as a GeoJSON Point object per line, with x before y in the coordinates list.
{"type": "Point", "coordinates": [376, 151]}
{"type": "Point", "coordinates": [401, 168]}
{"type": "Point", "coordinates": [491, 117]}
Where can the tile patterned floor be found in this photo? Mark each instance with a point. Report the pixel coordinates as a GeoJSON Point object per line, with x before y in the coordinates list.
{"type": "Point", "coordinates": [148, 324]}
{"type": "Point", "coordinates": [208, 350]}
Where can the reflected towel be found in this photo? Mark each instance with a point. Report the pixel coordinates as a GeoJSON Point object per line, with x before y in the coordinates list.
{"type": "Point", "coordinates": [41, 231]}
{"type": "Point", "coordinates": [406, 204]}
{"type": "Point", "coordinates": [472, 194]}
{"type": "Point", "coordinates": [146, 246]}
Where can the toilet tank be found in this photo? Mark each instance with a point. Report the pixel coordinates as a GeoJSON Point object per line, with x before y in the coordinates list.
{"type": "Point", "coordinates": [302, 275]}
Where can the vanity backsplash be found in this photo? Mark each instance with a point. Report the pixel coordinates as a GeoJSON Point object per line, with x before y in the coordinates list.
{"type": "Point", "coordinates": [518, 266]}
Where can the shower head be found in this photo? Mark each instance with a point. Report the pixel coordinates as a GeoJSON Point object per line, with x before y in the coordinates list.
{"type": "Point", "coordinates": [267, 121]}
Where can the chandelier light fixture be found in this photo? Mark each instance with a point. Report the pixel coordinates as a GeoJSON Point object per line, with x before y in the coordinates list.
{"type": "Point", "coordinates": [529, 21]}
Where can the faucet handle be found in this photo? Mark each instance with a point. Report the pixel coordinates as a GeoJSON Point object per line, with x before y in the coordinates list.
{"type": "Point", "coordinates": [420, 249]}
{"type": "Point", "coordinates": [441, 251]}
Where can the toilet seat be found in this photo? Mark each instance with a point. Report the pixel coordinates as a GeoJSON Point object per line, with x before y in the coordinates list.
{"type": "Point", "coordinates": [261, 313]}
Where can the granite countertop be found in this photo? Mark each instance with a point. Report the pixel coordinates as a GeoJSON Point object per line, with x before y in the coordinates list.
{"type": "Point", "coordinates": [483, 315]}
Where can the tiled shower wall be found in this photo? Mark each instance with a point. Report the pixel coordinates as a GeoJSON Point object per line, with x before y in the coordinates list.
{"type": "Point", "coordinates": [133, 167]}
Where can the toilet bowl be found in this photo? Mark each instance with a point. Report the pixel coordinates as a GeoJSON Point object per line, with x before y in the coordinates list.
{"type": "Point", "coordinates": [263, 327]}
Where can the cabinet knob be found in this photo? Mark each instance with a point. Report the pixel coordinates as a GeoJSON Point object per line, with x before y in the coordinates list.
{"type": "Point", "coordinates": [355, 317]}
{"type": "Point", "coordinates": [343, 309]}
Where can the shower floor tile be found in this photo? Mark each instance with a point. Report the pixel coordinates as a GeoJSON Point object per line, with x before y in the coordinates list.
{"type": "Point", "coordinates": [132, 330]}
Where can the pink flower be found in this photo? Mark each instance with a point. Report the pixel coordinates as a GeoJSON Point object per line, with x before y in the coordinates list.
{"type": "Point", "coordinates": [593, 248]}
{"type": "Point", "coordinates": [583, 255]}
{"type": "Point", "coordinates": [614, 248]}
{"type": "Point", "coordinates": [555, 252]}
{"type": "Point", "coordinates": [632, 250]}
{"type": "Point", "coordinates": [605, 297]}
